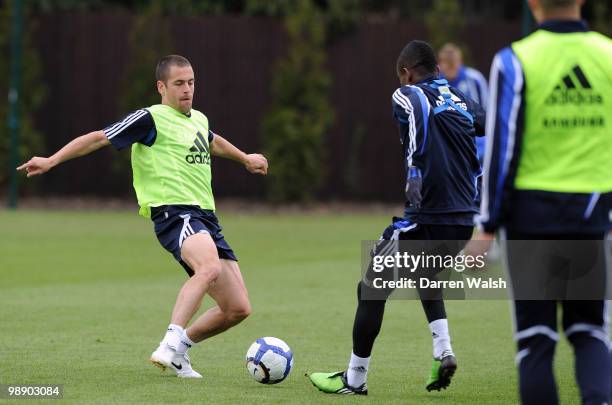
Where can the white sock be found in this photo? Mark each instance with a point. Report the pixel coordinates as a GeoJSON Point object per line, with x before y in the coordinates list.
{"type": "Point", "coordinates": [185, 343]}
{"type": "Point", "coordinates": [357, 372]}
{"type": "Point", "coordinates": [441, 337]}
{"type": "Point", "coordinates": [173, 335]}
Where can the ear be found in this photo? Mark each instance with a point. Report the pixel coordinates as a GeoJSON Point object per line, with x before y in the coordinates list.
{"type": "Point", "coordinates": [409, 75]}
{"type": "Point", "coordinates": [161, 88]}
{"type": "Point", "coordinates": [401, 75]}
{"type": "Point", "coordinates": [534, 5]}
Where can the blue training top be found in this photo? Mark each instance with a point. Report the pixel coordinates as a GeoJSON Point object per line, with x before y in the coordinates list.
{"type": "Point", "coordinates": [438, 125]}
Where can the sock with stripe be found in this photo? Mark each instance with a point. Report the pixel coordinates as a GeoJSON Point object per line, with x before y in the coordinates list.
{"type": "Point", "coordinates": [173, 336]}
{"type": "Point", "coordinates": [357, 372]}
{"type": "Point", "coordinates": [185, 343]}
{"type": "Point", "coordinates": [440, 337]}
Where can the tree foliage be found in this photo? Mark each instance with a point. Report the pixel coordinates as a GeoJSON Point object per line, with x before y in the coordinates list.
{"type": "Point", "coordinates": [603, 17]}
{"type": "Point", "coordinates": [294, 129]}
{"type": "Point", "coordinates": [445, 22]}
{"type": "Point", "coordinates": [149, 39]}
{"type": "Point", "coordinates": [33, 92]}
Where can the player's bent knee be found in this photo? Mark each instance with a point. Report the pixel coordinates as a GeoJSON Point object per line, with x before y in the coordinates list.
{"type": "Point", "coordinates": [239, 314]}
{"type": "Point", "coordinates": [209, 272]}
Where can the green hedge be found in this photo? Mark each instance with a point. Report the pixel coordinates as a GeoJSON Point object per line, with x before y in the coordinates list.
{"type": "Point", "coordinates": [33, 93]}
{"type": "Point", "coordinates": [295, 127]}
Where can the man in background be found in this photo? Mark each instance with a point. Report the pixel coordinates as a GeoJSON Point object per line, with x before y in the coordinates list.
{"type": "Point", "coordinates": [469, 80]}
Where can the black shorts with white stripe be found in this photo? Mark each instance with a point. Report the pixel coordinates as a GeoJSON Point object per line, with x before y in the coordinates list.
{"type": "Point", "coordinates": [175, 223]}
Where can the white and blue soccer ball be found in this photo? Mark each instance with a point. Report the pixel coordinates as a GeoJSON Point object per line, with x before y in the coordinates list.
{"type": "Point", "coordinates": [269, 360]}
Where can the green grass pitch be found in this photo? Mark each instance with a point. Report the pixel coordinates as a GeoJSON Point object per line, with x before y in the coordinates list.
{"type": "Point", "coordinates": [85, 298]}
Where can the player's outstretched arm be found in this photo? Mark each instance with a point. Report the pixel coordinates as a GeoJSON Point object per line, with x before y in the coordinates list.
{"type": "Point", "coordinates": [77, 147]}
{"type": "Point", "coordinates": [255, 163]}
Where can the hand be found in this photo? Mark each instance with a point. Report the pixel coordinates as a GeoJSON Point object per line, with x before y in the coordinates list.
{"type": "Point", "coordinates": [256, 163]}
{"type": "Point", "coordinates": [480, 244]}
{"type": "Point", "coordinates": [37, 165]}
{"type": "Point", "coordinates": [413, 187]}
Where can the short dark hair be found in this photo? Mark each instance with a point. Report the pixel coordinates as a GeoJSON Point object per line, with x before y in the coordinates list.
{"type": "Point", "coordinates": [165, 63]}
{"type": "Point", "coordinates": [417, 55]}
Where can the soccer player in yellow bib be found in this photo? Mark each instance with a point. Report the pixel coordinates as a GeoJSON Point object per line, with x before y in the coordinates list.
{"type": "Point", "coordinates": [547, 189]}
{"type": "Point", "coordinates": [171, 150]}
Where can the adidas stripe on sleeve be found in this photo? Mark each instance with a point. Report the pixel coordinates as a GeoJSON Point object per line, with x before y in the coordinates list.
{"type": "Point", "coordinates": [504, 131]}
{"type": "Point", "coordinates": [411, 111]}
{"type": "Point", "coordinates": [136, 127]}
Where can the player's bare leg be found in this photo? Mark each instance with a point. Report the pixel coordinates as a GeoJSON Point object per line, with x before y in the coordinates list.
{"type": "Point", "coordinates": [233, 306]}
{"type": "Point", "coordinates": [200, 253]}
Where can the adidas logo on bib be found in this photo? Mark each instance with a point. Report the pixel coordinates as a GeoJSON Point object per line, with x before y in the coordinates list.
{"type": "Point", "coordinates": [574, 88]}
{"type": "Point", "coordinates": [200, 153]}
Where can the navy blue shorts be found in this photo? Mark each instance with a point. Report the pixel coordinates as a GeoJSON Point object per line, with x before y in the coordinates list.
{"type": "Point", "coordinates": [174, 223]}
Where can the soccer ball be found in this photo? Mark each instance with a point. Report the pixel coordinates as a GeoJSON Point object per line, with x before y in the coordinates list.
{"type": "Point", "coordinates": [269, 360]}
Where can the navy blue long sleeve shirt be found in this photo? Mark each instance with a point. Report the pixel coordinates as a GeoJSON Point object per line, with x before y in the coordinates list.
{"type": "Point", "coordinates": [440, 142]}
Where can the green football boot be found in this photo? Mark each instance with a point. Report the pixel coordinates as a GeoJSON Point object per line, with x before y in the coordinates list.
{"type": "Point", "coordinates": [335, 383]}
{"type": "Point", "coordinates": [442, 370]}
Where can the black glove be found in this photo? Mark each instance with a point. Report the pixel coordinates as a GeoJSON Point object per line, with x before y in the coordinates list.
{"type": "Point", "coordinates": [413, 187]}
